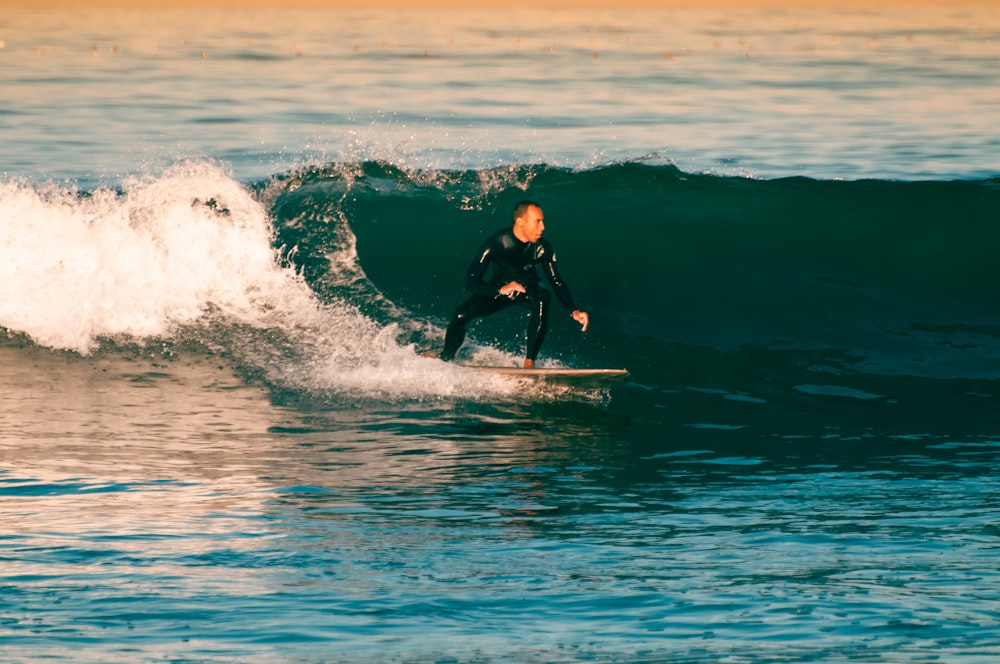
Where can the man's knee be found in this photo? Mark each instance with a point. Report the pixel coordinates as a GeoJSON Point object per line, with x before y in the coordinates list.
{"type": "Point", "coordinates": [461, 318]}
{"type": "Point", "coordinates": [542, 299]}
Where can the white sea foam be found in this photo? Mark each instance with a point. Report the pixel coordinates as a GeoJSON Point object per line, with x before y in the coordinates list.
{"type": "Point", "coordinates": [190, 249]}
{"type": "Point", "coordinates": [136, 263]}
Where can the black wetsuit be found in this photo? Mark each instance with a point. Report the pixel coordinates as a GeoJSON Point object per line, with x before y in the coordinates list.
{"type": "Point", "coordinates": [502, 259]}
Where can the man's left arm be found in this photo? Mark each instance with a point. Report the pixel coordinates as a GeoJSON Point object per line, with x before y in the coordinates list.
{"type": "Point", "coordinates": [562, 290]}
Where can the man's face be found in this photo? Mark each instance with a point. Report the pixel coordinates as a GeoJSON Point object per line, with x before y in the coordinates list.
{"type": "Point", "coordinates": [531, 225]}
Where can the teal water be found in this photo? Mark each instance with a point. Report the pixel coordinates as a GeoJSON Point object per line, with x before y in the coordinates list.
{"type": "Point", "coordinates": [177, 513]}
{"type": "Point", "coordinates": [226, 239]}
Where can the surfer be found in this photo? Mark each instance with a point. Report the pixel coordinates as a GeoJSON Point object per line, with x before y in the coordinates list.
{"type": "Point", "coordinates": [505, 273]}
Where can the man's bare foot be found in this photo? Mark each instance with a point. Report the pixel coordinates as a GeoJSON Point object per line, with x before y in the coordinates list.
{"type": "Point", "coordinates": [529, 364]}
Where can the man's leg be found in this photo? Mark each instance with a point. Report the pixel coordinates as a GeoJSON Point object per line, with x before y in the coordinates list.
{"type": "Point", "coordinates": [475, 307]}
{"type": "Point", "coordinates": [538, 324]}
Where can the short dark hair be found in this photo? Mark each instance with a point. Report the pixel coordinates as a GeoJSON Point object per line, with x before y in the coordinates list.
{"type": "Point", "coordinates": [521, 208]}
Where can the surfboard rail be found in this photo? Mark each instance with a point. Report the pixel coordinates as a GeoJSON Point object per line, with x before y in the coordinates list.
{"type": "Point", "coordinates": [561, 375]}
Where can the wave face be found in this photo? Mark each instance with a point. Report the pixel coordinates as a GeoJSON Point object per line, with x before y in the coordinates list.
{"type": "Point", "coordinates": [896, 277]}
{"type": "Point", "coordinates": [334, 276]}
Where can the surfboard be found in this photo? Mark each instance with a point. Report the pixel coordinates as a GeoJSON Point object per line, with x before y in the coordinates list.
{"type": "Point", "coordinates": [583, 378]}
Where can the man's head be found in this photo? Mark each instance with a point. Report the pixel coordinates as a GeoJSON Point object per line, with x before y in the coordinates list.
{"type": "Point", "coordinates": [529, 222]}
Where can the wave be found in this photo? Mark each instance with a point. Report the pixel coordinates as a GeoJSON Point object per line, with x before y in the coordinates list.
{"type": "Point", "coordinates": [897, 277]}
{"type": "Point", "coordinates": [335, 276]}
{"type": "Point", "coordinates": [189, 259]}
{"type": "Point", "coordinates": [140, 262]}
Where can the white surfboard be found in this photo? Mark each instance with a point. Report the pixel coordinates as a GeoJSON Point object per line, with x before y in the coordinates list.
{"type": "Point", "coordinates": [561, 376]}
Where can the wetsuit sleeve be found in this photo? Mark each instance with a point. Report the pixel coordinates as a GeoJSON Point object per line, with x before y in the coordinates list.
{"type": "Point", "coordinates": [477, 271]}
{"type": "Point", "coordinates": [558, 283]}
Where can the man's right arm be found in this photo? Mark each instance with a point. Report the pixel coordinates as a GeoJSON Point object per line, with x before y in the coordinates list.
{"type": "Point", "coordinates": [477, 270]}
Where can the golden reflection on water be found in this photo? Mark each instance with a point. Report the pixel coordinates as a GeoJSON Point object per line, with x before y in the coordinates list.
{"type": "Point", "coordinates": [714, 80]}
{"type": "Point", "coordinates": [301, 49]}
{"type": "Point", "coordinates": [188, 415]}
{"type": "Point", "coordinates": [129, 446]}
{"type": "Point", "coordinates": [116, 435]}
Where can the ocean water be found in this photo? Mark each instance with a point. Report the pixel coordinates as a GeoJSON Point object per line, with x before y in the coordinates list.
{"type": "Point", "coordinates": [227, 237]}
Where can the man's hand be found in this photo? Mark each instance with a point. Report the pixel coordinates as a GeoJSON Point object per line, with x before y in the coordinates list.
{"type": "Point", "coordinates": [512, 289]}
{"type": "Point", "coordinates": [582, 318]}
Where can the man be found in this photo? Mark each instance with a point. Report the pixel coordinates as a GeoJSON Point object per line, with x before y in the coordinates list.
{"type": "Point", "coordinates": [505, 273]}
